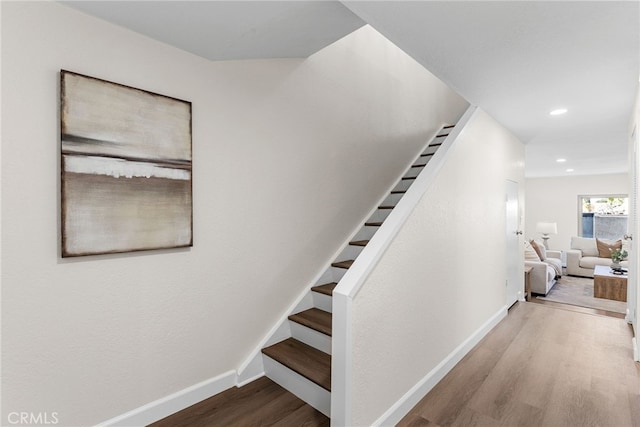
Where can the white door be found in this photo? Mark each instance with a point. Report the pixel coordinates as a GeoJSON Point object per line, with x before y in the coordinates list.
{"type": "Point", "coordinates": [633, 235]}
{"type": "Point", "coordinates": [515, 273]}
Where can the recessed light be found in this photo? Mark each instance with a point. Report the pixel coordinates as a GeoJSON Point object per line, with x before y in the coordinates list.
{"type": "Point", "coordinates": [561, 160]}
{"type": "Point", "coordinates": [558, 111]}
{"type": "Point", "coordinates": [569, 170]}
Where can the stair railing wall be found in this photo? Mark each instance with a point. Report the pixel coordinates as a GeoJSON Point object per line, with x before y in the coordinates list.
{"type": "Point", "coordinates": [352, 282]}
{"type": "Point", "coordinates": [252, 368]}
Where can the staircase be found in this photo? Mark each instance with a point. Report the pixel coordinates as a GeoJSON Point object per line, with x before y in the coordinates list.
{"type": "Point", "coordinates": [302, 363]}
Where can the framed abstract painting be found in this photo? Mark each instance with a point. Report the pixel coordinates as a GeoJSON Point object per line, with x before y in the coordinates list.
{"type": "Point", "coordinates": [126, 178]}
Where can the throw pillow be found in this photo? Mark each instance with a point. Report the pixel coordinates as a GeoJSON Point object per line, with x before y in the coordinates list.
{"type": "Point", "coordinates": [585, 244]}
{"type": "Point", "coordinates": [540, 250]}
{"type": "Point", "coordinates": [605, 249]}
{"type": "Point", "coordinates": [529, 253]}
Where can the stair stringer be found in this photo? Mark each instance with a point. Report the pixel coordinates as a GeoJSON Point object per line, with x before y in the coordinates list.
{"type": "Point", "coordinates": [253, 366]}
{"type": "Point", "coordinates": [348, 288]}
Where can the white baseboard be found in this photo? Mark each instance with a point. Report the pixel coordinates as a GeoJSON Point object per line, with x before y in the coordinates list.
{"type": "Point", "coordinates": [636, 349]}
{"type": "Point", "coordinates": [402, 407]}
{"type": "Point", "coordinates": [173, 403]}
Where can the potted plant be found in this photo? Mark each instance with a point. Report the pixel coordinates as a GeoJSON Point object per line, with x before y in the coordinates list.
{"type": "Point", "coordinates": [618, 255]}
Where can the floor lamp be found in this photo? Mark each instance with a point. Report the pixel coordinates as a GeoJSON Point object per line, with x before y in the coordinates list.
{"type": "Point", "coordinates": [546, 228]}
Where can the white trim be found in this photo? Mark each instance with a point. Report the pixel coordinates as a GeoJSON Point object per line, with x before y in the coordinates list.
{"type": "Point", "coordinates": [341, 366]}
{"type": "Point", "coordinates": [250, 380]}
{"type": "Point", "coordinates": [161, 408]}
{"type": "Point", "coordinates": [636, 349]}
{"type": "Point", "coordinates": [354, 278]}
{"type": "Point", "coordinates": [402, 407]}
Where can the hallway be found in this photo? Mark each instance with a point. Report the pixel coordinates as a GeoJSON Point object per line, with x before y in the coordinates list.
{"type": "Point", "coordinates": [541, 366]}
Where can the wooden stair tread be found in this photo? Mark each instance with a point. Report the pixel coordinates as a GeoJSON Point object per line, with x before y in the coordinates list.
{"type": "Point", "coordinates": [427, 154]}
{"type": "Point", "coordinates": [314, 318]}
{"type": "Point", "coordinates": [373, 224]}
{"type": "Point", "coordinates": [326, 289]}
{"type": "Point", "coordinates": [440, 136]}
{"type": "Point", "coordinates": [343, 264]}
{"type": "Point", "coordinates": [448, 127]}
{"type": "Point", "coordinates": [386, 207]}
{"type": "Point", "coordinates": [404, 178]}
{"type": "Point", "coordinates": [359, 243]}
{"type": "Point", "coordinates": [398, 191]}
{"type": "Point", "coordinates": [421, 165]}
{"type": "Point", "coordinates": [307, 361]}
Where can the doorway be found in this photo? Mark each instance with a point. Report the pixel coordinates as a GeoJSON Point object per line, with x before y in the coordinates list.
{"type": "Point", "coordinates": [515, 279]}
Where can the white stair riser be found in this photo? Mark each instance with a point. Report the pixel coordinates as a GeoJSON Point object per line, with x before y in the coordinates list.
{"type": "Point", "coordinates": [379, 215]}
{"type": "Point", "coordinates": [322, 301]}
{"type": "Point", "coordinates": [311, 337]}
{"type": "Point", "coordinates": [337, 273]}
{"type": "Point", "coordinates": [392, 199]}
{"type": "Point", "coordinates": [365, 233]}
{"type": "Point", "coordinates": [349, 252]}
{"type": "Point", "coordinates": [306, 390]}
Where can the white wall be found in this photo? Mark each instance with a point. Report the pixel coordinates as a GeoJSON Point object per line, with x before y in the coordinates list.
{"type": "Point", "coordinates": [289, 155]}
{"type": "Point", "coordinates": [442, 277]}
{"type": "Point", "coordinates": [633, 293]}
{"type": "Point", "coordinates": [555, 199]}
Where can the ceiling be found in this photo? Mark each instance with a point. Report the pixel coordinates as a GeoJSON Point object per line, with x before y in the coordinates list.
{"type": "Point", "coordinates": [517, 60]}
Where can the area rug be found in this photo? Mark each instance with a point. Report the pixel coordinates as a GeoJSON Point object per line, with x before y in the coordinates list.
{"type": "Point", "coordinates": [579, 291]}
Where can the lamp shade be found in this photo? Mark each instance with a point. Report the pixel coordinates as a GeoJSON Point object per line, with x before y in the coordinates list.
{"type": "Point", "coordinates": [547, 227]}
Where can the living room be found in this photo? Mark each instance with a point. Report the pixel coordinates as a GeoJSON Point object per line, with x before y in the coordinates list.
{"type": "Point", "coordinates": [558, 200]}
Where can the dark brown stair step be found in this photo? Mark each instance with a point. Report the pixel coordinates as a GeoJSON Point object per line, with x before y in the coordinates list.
{"type": "Point", "coordinates": [373, 224]}
{"type": "Point", "coordinates": [343, 264]}
{"type": "Point", "coordinates": [359, 243]}
{"type": "Point", "coordinates": [398, 191]}
{"type": "Point", "coordinates": [314, 318]}
{"type": "Point", "coordinates": [420, 165]}
{"type": "Point", "coordinates": [427, 154]}
{"type": "Point", "coordinates": [435, 144]}
{"type": "Point", "coordinates": [326, 289]}
{"type": "Point", "coordinates": [448, 127]}
{"type": "Point", "coordinates": [307, 361]}
{"type": "Point", "coordinates": [405, 178]}
{"type": "Point", "coordinates": [440, 136]}
{"type": "Point", "coordinates": [386, 207]}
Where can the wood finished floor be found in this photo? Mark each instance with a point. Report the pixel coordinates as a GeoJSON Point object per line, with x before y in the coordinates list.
{"type": "Point", "coordinates": [544, 365]}
{"type": "Point", "coordinates": [259, 403]}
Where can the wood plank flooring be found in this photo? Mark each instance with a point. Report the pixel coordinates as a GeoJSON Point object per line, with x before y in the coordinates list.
{"type": "Point", "coordinates": [542, 366]}
{"type": "Point", "coordinates": [260, 403]}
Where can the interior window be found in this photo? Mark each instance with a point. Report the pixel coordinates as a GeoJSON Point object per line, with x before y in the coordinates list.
{"type": "Point", "coordinates": [603, 216]}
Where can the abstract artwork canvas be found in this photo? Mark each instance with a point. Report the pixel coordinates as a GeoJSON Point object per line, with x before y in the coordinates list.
{"type": "Point", "coordinates": [126, 168]}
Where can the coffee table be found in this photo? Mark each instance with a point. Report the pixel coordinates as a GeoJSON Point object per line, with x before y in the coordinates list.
{"type": "Point", "coordinates": [608, 285]}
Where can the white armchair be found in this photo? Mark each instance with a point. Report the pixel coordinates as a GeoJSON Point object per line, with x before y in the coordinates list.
{"type": "Point", "coordinates": [544, 273]}
{"type": "Point", "coordinates": [546, 266]}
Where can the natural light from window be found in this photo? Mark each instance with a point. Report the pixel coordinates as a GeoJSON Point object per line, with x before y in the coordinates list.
{"type": "Point", "coordinates": [603, 216]}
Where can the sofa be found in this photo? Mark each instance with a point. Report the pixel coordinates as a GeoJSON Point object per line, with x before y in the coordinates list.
{"type": "Point", "coordinates": [546, 266]}
{"type": "Point", "coordinates": [584, 255]}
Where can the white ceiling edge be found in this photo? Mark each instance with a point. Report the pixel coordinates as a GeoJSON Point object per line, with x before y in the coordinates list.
{"type": "Point", "coordinates": [232, 30]}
